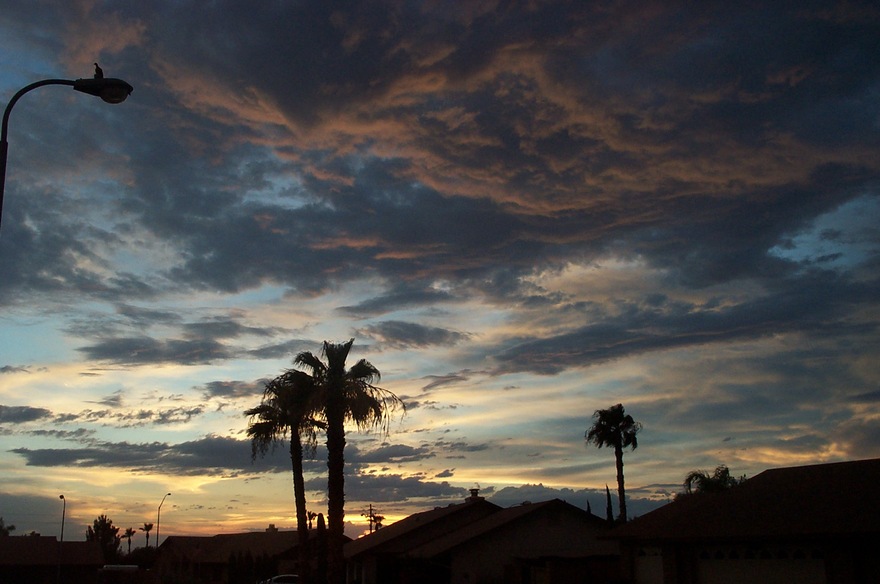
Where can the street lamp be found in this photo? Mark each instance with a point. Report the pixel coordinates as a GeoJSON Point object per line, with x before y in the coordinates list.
{"type": "Point", "coordinates": [110, 90]}
{"type": "Point", "coordinates": [61, 542]}
{"type": "Point", "coordinates": [158, 517]}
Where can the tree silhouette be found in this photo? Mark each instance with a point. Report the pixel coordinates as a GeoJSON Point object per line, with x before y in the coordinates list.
{"type": "Point", "coordinates": [146, 529]}
{"type": "Point", "coordinates": [107, 535]}
{"type": "Point", "coordinates": [288, 409]}
{"type": "Point", "coordinates": [5, 529]}
{"type": "Point", "coordinates": [700, 481]}
{"type": "Point", "coordinates": [345, 395]}
{"type": "Point", "coordinates": [129, 533]}
{"type": "Point", "coordinates": [613, 427]}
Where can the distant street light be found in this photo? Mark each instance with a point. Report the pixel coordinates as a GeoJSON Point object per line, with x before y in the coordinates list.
{"type": "Point", "coordinates": [110, 90]}
{"type": "Point", "coordinates": [158, 517]}
{"type": "Point", "coordinates": [61, 542]}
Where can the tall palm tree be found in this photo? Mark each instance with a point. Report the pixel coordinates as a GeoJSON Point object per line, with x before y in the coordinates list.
{"type": "Point", "coordinates": [130, 532]}
{"type": "Point", "coordinates": [287, 410]}
{"type": "Point", "coordinates": [613, 427]}
{"type": "Point", "coordinates": [346, 395]}
{"type": "Point", "coordinates": [147, 528]}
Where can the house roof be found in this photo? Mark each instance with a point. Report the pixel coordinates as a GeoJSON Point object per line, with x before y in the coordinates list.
{"type": "Point", "coordinates": [218, 548]}
{"type": "Point", "coordinates": [500, 519]}
{"type": "Point", "coordinates": [36, 550]}
{"type": "Point", "coordinates": [824, 500]}
{"type": "Point", "coordinates": [410, 532]}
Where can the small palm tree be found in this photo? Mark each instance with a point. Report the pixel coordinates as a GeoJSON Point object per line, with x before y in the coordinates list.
{"type": "Point", "coordinates": [345, 395]}
{"type": "Point", "coordinates": [129, 533]}
{"type": "Point", "coordinates": [700, 481]}
{"type": "Point", "coordinates": [287, 410]}
{"type": "Point", "coordinates": [613, 427]}
{"type": "Point", "coordinates": [146, 529]}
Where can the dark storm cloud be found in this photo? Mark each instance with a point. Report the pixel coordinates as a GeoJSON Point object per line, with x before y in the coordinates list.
{"type": "Point", "coordinates": [233, 389]}
{"type": "Point", "coordinates": [285, 349]}
{"type": "Point", "coordinates": [212, 455]}
{"type": "Point", "coordinates": [388, 454]}
{"type": "Point", "coordinates": [816, 304]}
{"type": "Point", "coordinates": [428, 157]}
{"type": "Point", "coordinates": [146, 350]}
{"type": "Point", "coordinates": [223, 328]}
{"type": "Point", "coordinates": [19, 414]}
{"type": "Point", "coordinates": [399, 297]}
{"type": "Point", "coordinates": [147, 317]}
{"type": "Point", "coordinates": [682, 165]}
{"type": "Point", "coordinates": [386, 488]}
{"type": "Point", "coordinates": [401, 335]}
{"type": "Point", "coordinates": [453, 449]}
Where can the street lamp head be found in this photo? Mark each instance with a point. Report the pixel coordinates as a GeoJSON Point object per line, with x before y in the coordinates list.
{"type": "Point", "coordinates": [109, 89]}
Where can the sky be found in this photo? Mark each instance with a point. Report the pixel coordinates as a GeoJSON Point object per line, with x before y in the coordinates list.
{"type": "Point", "coordinates": [522, 212]}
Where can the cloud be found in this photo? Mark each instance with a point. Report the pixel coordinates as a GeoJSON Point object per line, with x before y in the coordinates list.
{"type": "Point", "coordinates": [567, 205]}
{"type": "Point", "coordinates": [437, 381]}
{"type": "Point", "coordinates": [13, 369]}
{"type": "Point", "coordinates": [223, 328]}
{"type": "Point", "coordinates": [233, 389]}
{"type": "Point", "coordinates": [797, 305]}
{"type": "Point", "coordinates": [147, 350]}
{"type": "Point", "coordinates": [401, 335]}
{"type": "Point", "coordinates": [21, 414]}
{"type": "Point", "coordinates": [387, 488]}
{"type": "Point", "coordinates": [388, 454]}
{"type": "Point", "coordinates": [211, 456]}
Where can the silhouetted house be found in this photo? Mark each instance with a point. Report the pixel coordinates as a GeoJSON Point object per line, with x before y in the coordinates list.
{"type": "Point", "coordinates": [34, 559]}
{"type": "Point", "coordinates": [815, 524]}
{"type": "Point", "coordinates": [226, 558]}
{"type": "Point", "coordinates": [478, 541]}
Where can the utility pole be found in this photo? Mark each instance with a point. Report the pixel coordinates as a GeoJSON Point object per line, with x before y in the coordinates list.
{"type": "Point", "coordinates": [373, 518]}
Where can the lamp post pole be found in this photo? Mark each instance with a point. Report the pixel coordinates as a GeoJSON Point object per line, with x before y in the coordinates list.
{"type": "Point", "coordinates": [61, 541]}
{"type": "Point", "coordinates": [110, 90]}
{"type": "Point", "coordinates": [158, 517]}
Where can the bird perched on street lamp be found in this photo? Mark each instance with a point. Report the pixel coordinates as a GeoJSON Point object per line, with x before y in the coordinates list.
{"type": "Point", "coordinates": [99, 73]}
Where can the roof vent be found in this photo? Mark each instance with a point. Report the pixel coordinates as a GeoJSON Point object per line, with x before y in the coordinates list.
{"type": "Point", "coordinates": [475, 495]}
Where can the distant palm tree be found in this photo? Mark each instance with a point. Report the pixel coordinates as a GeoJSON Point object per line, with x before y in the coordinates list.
{"type": "Point", "coordinates": [613, 427]}
{"type": "Point", "coordinates": [700, 481]}
{"type": "Point", "coordinates": [288, 408]}
{"type": "Point", "coordinates": [146, 529]}
{"type": "Point", "coordinates": [129, 533]}
{"type": "Point", "coordinates": [346, 395]}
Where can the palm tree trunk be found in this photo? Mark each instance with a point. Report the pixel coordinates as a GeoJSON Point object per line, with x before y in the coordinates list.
{"type": "Point", "coordinates": [299, 497]}
{"type": "Point", "coordinates": [335, 487]}
{"type": "Point", "coordinates": [621, 491]}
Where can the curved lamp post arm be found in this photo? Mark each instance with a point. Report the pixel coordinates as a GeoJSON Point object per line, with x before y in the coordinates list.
{"type": "Point", "coordinates": [158, 518]}
{"type": "Point", "coordinates": [110, 90]}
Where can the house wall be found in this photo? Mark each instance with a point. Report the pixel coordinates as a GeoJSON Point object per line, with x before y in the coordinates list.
{"type": "Point", "coordinates": [552, 533]}
{"type": "Point", "coordinates": [648, 566]}
{"type": "Point", "coordinates": [729, 564]}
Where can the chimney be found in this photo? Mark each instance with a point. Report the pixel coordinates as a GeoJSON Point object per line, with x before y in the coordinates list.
{"type": "Point", "coordinates": [475, 495]}
{"type": "Point", "coordinates": [271, 528]}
